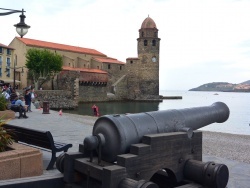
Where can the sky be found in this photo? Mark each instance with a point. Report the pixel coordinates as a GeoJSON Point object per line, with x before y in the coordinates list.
{"type": "Point", "coordinates": [202, 41]}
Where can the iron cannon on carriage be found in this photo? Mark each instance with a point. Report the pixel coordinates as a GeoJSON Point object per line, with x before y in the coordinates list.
{"type": "Point", "coordinates": [147, 150]}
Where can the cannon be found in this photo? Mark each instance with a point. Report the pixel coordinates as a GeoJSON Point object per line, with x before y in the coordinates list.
{"type": "Point", "coordinates": [147, 150]}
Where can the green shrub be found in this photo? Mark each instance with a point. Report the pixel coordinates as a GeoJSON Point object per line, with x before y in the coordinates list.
{"type": "Point", "coordinates": [3, 103]}
{"type": "Point", "coordinates": [5, 136]}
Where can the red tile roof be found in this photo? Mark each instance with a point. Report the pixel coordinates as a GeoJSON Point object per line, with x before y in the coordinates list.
{"type": "Point", "coordinates": [2, 45]}
{"type": "Point", "coordinates": [107, 60]}
{"type": "Point", "coordinates": [64, 47]}
{"type": "Point", "coordinates": [84, 70]}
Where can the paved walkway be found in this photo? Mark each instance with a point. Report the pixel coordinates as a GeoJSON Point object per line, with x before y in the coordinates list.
{"type": "Point", "coordinates": [73, 129]}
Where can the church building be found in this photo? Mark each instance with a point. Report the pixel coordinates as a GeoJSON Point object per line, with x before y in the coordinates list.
{"type": "Point", "coordinates": [93, 76]}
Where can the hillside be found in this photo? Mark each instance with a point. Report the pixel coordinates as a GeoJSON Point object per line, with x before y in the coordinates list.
{"type": "Point", "coordinates": [224, 87]}
{"type": "Point", "coordinates": [246, 82]}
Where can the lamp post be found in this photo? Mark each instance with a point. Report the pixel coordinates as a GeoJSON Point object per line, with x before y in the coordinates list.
{"type": "Point", "coordinates": [14, 69]}
{"type": "Point", "coordinates": [21, 27]}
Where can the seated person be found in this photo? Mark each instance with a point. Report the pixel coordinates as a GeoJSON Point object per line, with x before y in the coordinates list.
{"type": "Point", "coordinates": [14, 100]}
{"type": "Point", "coordinates": [22, 110]}
{"type": "Point", "coordinates": [13, 96]}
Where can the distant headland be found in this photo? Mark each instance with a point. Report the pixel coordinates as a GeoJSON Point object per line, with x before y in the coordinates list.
{"type": "Point", "coordinates": [224, 87]}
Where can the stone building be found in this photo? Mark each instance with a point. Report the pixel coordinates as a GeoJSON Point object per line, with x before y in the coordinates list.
{"type": "Point", "coordinates": [93, 76]}
{"type": "Point", "coordinates": [7, 61]}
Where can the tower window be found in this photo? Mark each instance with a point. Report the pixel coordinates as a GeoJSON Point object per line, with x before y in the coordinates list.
{"type": "Point", "coordinates": [131, 62]}
{"type": "Point", "coordinates": [142, 34]}
{"type": "Point", "coordinates": [155, 34]}
{"type": "Point", "coordinates": [154, 42]}
{"type": "Point", "coordinates": [120, 67]}
{"type": "Point", "coordinates": [109, 67]}
{"type": "Point", "coordinates": [145, 42]}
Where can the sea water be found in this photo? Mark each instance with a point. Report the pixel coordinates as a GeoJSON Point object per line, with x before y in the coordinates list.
{"type": "Point", "coordinates": [238, 103]}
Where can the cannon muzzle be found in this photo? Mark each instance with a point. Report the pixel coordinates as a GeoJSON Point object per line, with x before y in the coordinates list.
{"type": "Point", "coordinates": [118, 132]}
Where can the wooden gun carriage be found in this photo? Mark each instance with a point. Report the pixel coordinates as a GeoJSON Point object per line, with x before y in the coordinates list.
{"type": "Point", "coordinates": [147, 150]}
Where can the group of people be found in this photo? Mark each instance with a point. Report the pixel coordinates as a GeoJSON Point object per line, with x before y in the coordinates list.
{"type": "Point", "coordinates": [16, 100]}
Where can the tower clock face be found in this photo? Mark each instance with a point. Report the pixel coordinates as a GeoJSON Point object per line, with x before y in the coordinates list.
{"type": "Point", "coordinates": [154, 59]}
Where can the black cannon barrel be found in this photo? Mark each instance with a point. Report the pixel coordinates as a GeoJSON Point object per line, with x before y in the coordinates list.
{"type": "Point", "coordinates": [120, 131]}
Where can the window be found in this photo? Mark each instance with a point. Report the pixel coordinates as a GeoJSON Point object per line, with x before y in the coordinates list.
{"type": "Point", "coordinates": [1, 61]}
{"type": "Point", "coordinates": [98, 67]}
{"type": "Point", "coordinates": [109, 66]}
{"type": "Point", "coordinates": [154, 42]}
{"type": "Point", "coordinates": [0, 71]}
{"type": "Point", "coordinates": [120, 67]}
{"type": "Point", "coordinates": [8, 62]}
{"type": "Point", "coordinates": [1, 50]}
{"type": "Point", "coordinates": [142, 34]}
{"type": "Point", "coordinates": [145, 42]}
{"type": "Point", "coordinates": [8, 72]}
{"type": "Point", "coordinates": [8, 51]}
{"type": "Point", "coordinates": [155, 34]}
{"type": "Point", "coordinates": [131, 62]}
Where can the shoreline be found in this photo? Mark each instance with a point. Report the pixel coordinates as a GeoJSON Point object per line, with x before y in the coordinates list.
{"type": "Point", "coordinates": [225, 145]}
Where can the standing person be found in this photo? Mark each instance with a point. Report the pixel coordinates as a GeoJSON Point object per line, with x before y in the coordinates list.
{"type": "Point", "coordinates": [95, 110]}
{"type": "Point", "coordinates": [28, 100]}
{"type": "Point", "coordinates": [6, 95]}
{"type": "Point", "coordinates": [33, 95]}
{"type": "Point", "coordinates": [8, 89]}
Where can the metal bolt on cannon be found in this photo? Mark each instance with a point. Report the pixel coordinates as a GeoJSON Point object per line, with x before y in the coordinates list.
{"type": "Point", "coordinates": [147, 150]}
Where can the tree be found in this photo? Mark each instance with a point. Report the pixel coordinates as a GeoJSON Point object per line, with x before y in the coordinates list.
{"type": "Point", "coordinates": [43, 65]}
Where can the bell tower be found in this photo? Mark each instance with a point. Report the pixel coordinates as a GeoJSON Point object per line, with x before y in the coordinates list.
{"type": "Point", "coordinates": [148, 53]}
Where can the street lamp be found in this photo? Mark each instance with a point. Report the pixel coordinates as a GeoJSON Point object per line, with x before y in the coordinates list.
{"type": "Point", "coordinates": [21, 27]}
{"type": "Point", "coordinates": [14, 79]}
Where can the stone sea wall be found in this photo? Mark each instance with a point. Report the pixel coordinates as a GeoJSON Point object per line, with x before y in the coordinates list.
{"type": "Point", "coordinates": [63, 99]}
{"type": "Point", "coordinates": [57, 98]}
{"type": "Point", "coordinates": [92, 93]}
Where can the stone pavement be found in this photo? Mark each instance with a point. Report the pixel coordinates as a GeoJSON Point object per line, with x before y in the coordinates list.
{"type": "Point", "coordinates": [73, 129]}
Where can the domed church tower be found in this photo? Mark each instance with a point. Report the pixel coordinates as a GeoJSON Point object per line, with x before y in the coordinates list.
{"type": "Point", "coordinates": [148, 53]}
{"type": "Point", "coordinates": [142, 72]}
